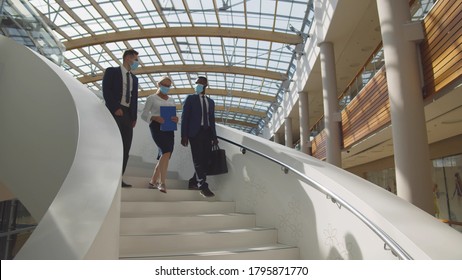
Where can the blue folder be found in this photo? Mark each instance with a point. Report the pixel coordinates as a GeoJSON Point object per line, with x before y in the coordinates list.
{"type": "Point", "coordinates": [167, 112]}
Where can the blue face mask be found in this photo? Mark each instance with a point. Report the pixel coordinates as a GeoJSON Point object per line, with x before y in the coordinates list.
{"type": "Point", "coordinates": [134, 65]}
{"type": "Point", "coordinates": [164, 89]}
{"type": "Point", "coordinates": [199, 88]}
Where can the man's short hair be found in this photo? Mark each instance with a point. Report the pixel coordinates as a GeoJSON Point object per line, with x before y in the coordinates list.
{"type": "Point", "coordinates": [129, 52]}
{"type": "Point", "coordinates": [202, 78]}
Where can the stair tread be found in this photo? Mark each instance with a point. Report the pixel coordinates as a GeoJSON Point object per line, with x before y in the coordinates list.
{"type": "Point", "coordinates": [149, 195]}
{"type": "Point", "coordinates": [262, 248]}
{"type": "Point", "coordinates": [128, 203]}
{"type": "Point", "coordinates": [143, 183]}
{"type": "Point", "coordinates": [150, 215]}
{"type": "Point", "coordinates": [211, 231]}
{"type": "Point", "coordinates": [180, 201]}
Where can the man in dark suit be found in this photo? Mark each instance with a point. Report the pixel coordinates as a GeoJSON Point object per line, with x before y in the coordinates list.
{"type": "Point", "coordinates": [198, 128]}
{"type": "Point", "coordinates": [120, 91]}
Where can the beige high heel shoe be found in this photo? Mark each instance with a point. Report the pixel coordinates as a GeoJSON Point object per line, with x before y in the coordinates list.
{"type": "Point", "coordinates": [153, 186]}
{"type": "Point", "coordinates": [162, 188]}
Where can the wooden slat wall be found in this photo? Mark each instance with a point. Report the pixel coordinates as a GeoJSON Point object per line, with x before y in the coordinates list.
{"type": "Point", "coordinates": [441, 53]}
{"type": "Point", "coordinates": [368, 112]}
{"type": "Point", "coordinates": [442, 48]}
{"type": "Point", "coordinates": [318, 148]}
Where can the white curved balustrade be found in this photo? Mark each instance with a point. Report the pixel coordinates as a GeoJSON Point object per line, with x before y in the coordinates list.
{"type": "Point", "coordinates": [60, 155]}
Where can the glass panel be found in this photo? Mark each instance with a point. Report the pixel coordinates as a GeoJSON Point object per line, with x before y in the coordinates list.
{"type": "Point", "coordinates": [16, 225]}
{"type": "Point", "coordinates": [447, 187]}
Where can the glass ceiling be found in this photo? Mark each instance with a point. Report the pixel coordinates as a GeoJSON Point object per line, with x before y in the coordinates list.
{"type": "Point", "coordinates": [245, 48]}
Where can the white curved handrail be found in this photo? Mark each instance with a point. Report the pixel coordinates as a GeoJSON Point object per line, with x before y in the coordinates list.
{"type": "Point", "coordinates": [61, 156]}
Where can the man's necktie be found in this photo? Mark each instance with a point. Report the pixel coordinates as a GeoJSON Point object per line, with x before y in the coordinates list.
{"type": "Point", "coordinates": [204, 112]}
{"type": "Point", "coordinates": [127, 92]}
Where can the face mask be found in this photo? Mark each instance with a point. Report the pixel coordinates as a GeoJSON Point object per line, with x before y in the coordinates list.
{"type": "Point", "coordinates": [134, 65]}
{"type": "Point", "coordinates": [199, 88]}
{"type": "Point", "coordinates": [164, 90]}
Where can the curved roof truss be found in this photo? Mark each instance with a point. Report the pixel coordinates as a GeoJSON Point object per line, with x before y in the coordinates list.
{"type": "Point", "coordinates": [225, 32]}
{"type": "Point", "coordinates": [195, 69]}
{"type": "Point", "coordinates": [213, 91]}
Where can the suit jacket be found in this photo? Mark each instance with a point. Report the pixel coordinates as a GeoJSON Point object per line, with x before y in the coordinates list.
{"type": "Point", "coordinates": [192, 116]}
{"type": "Point", "coordinates": [112, 91]}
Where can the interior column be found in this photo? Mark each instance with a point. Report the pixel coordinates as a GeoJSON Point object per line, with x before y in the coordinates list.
{"type": "Point", "coordinates": [410, 142]}
{"type": "Point", "coordinates": [329, 91]}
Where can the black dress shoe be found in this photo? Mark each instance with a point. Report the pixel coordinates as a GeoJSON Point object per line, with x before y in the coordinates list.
{"type": "Point", "coordinates": [205, 191]}
{"type": "Point", "coordinates": [192, 184]}
{"type": "Point", "coordinates": [125, 185]}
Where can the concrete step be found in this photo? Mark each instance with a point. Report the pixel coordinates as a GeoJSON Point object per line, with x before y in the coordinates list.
{"type": "Point", "coordinates": [142, 209]}
{"type": "Point", "coordinates": [214, 240]}
{"type": "Point", "coordinates": [266, 252]}
{"type": "Point", "coordinates": [143, 183]}
{"type": "Point", "coordinates": [177, 223]}
{"type": "Point", "coordinates": [182, 224]}
{"type": "Point", "coordinates": [145, 194]}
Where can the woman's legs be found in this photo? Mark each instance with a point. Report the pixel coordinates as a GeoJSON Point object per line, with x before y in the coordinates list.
{"type": "Point", "coordinates": [164, 141]}
{"type": "Point", "coordinates": [163, 162]}
{"type": "Point", "coordinates": [160, 172]}
{"type": "Point", "coordinates": [156, 174]}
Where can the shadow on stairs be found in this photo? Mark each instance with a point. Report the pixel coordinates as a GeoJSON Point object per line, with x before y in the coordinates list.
{"type": "Point", "coordinates": [181, 225]}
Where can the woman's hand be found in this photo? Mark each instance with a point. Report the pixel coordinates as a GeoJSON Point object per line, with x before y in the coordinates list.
{"type": "Point", "coordinates": [175, 119]}
{"type": "Point", "coordinates": [158, 119]}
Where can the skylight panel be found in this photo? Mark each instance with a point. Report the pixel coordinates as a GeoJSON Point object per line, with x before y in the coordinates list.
{"type": "Point", "coordinates": [199, 18]}
{"type": "Point", "coordinates": [109, 9]}
{"type": "Point", "coordinates": [140, 6]}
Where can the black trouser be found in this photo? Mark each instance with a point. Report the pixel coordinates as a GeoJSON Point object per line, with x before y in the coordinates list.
{"type": "Point", "coordinates": [201, 145]}
{"type": "Point", "coordinates": [126, 131]}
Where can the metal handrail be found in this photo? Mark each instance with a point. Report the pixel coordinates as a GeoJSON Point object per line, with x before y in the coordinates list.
{"type": "Point", "coordinates": [396, 249]}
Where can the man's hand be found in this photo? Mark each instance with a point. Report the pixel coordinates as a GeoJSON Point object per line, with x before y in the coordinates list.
{"type": "Point", "coordinates": [119, 113]}
{"type": "Point", "coordinates": [184, 141]}
{"type": "Point", "coordinates": [215, 142]}
{"type": "Point", "coordinates": [133, 124]}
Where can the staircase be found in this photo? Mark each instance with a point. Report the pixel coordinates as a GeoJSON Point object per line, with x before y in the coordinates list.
{"type": "Point", "coordinates": [181, 224]}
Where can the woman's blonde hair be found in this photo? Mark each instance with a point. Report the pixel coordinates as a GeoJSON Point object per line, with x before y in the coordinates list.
{"type": "Point", "coordinates": [163, 78]}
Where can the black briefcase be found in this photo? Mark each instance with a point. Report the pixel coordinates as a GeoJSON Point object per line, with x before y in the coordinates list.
{"type": "Point", "coordinates": [217, 163]}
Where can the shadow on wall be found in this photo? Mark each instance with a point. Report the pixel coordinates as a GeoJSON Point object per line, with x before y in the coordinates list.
{"type": "Point", "coordinates": [347, 250]}
{"type": "Point", "coordinates": [353, 246]}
